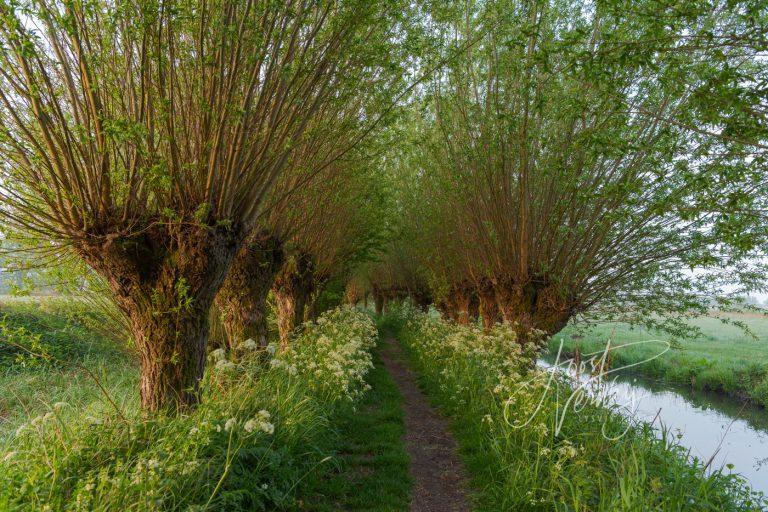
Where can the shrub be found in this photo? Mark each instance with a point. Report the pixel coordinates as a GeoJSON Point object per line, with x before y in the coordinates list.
{"type": "Point", "coordinates": [260, 431]}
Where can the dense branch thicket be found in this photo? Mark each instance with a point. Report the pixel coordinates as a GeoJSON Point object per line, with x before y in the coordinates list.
{"type": "Point", "coordinates": [325, 161]}
{"type": "Point", "coordinates": [581, 156]}
{"type": "Point", "coordinates": [309, 212]}
{"type": "Point", "coordinates": [145, 137]}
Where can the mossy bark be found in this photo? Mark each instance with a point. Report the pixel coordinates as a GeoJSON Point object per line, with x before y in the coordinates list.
{"type": "Point", "coordinates": [293, 290]}
{"type": "Point", "coordinates": [242, 300]}
{"type": "Point", "coordinates": [487, 306]}
{"type": "Point", "coordinates": [164, 282]}
{"type": "Point", "coordinates": [458, 301]}
{"type": "Point", "coordinates": [536, 304]}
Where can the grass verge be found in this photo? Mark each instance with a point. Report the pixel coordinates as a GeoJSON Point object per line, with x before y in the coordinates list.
{"type": "Point", "coordinates": [372, 470]}
{"type": "Point", "coordinates": [262, 434]}
{"type": "Point", "coordinates": [529, 449]}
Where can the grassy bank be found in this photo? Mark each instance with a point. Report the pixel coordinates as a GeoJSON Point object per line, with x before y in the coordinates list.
{"type": "Point", "coordinates": [68, 335]}
{"type": "Point", "coordinates": [372, 471]}
{"type": "Point", "coordinates": [262, 439]}
{"type": "Point", "coordinates": [527, 450]}
{"type": "Point", "coordinates": [723, 359]}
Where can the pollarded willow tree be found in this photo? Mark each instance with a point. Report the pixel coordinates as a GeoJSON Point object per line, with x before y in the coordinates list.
{"type": "Point", "coordinates": [242, 300]}
{"type": "Point", "coordinates": [583, 155]}
{"type": "Point", "coordinates": [322, 163]}
{"type": "Point", "coordinates": [145, 137]}
{"type": "Point", "coordinates": [336, 225]}
{"type": "Point", "coordinates": [273, 249]}
{"type": "Point", "coordinates": [360, 107]}
{"type": "Point", "coordinates": [396, 274]}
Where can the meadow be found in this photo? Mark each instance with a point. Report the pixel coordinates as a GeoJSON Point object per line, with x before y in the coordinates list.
{"type": "Point", "coordinates": [47, 343]}
{"type": "Point", "coordinates": [724, 358]}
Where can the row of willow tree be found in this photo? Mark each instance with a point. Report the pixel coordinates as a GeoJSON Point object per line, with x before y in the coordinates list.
{"type": "Point", "coordinates": [531, 159]}
{"type": "Point", "coordinates": [585, 159]}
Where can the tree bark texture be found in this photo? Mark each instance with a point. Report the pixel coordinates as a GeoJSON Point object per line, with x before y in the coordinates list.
{"type": "Point", "coordinates": [458, 301]}
{"type": "Point", "coordinates": [164, 281]}
{"type": "Point", "coordinates": [487, 305]}
{"type": "Point", "coordinates": [292, 289]}
{"type": "Point", "coordinates": [242, 300]}
{"type": "Point", "coordinates": [535, 305]}
{"type": "Point", "coordinates": [474, 307]}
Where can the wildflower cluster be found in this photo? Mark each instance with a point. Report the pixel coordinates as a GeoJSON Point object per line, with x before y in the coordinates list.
{"type": "Point", "coordinates": [333, 354]}
{"type": "Point", "coordinates": [259, 432]}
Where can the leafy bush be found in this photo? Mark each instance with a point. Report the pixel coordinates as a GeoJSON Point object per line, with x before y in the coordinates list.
{"type": "Point", "coordinates": [261, 429]}
{"type": "Point", "coordinates": [529, 450]}
{"type": "Point", "coordinates": [334, 354]}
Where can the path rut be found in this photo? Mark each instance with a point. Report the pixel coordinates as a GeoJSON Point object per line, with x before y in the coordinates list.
{"type": "Point", "coordinates": [438, 474]}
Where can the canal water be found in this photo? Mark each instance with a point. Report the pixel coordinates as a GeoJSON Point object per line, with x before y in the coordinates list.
{"type": "Point", "coordinates": [712, 426]}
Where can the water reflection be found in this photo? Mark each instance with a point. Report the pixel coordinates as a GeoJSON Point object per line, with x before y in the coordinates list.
{"type": "Point", "coordinates": [708, 424]}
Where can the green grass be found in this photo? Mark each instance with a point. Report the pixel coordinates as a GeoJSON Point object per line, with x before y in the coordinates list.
{"type": "Point", "coordinates": [562, 459]}
{"type": "Point", "coordinates": [62, 447]}
{"type": "Point", "coordinates": [372, 471]}
{"type": "Point", "coordinates": [66, 330]}
{"type": "Point", "coordinates": [723, 359]}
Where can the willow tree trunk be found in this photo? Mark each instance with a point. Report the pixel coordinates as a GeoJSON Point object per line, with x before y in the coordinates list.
{"type": "Point", "coordinates": [242, 301]}
{"type": "Point", "coordinates": [172, 358]}
{"type": "Point", "coordinates": [379, 300]}
{"type": "Point", "coordinates": [292, 289]}
{"type": "Point", "coordinates": [311, 306]}
{"type": "Point", "coordinates": [164, 282]}
{"type": "Point", "coordinates": [474, 307]}
{"type": "Point", "coordinates": [487, 305]}
{"type": "Point", "coordinates": [533, 306]}
{"type": "Point", "coordinates": [459, 298]}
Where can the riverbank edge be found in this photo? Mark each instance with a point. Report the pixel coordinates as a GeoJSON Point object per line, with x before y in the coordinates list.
{"type": "Point", "coordinates": [748, 385]}
{"type": "Point", "coordinates": [493, 484]}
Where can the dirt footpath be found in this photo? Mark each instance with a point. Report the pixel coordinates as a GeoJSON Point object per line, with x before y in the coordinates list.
{"type": "Point", "coordinates": [438, 474]}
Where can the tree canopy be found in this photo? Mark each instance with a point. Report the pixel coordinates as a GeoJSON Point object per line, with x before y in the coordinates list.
{"type": "Point", "coordinates": [584, 157]}
{"type": "Point", "coordinates": [524, 161]}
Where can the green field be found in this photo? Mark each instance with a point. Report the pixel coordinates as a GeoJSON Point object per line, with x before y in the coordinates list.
{"type": "Point", "coordinates": [70, 333]}
{"type": "Point", "coordinates": [724, 358]}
